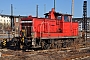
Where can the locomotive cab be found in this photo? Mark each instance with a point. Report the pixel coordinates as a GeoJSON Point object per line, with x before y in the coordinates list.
{"type": "Point", "coordinates": [58, 16]}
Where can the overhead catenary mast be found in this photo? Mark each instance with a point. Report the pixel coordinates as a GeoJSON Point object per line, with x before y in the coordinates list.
{"type": "Point", "coordinates": [36, 10]}
{"type": "Point", "coordinates": [12, 18]}
{"type": "Point", "coordinates": [72, 8]}
{"type": "Point", "coordinates": [54, 4]}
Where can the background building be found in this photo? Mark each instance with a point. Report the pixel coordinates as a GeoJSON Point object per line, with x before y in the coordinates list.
{"type": "Point", "coordinates": [17, 20]}
{"type": "Point", "coordinates": [81, 25]}
{"type": "Point", "coordinates": [5, 23]}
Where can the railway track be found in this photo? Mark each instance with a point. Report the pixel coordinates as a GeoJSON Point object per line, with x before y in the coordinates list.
{"type": "Point", "coordinates": [61, 54]}
{"type": "Point", "coordinates": [64, 54]}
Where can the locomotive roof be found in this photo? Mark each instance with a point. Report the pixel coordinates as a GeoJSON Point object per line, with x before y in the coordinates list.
{"type": "Point", "coordinates": [58, 14]}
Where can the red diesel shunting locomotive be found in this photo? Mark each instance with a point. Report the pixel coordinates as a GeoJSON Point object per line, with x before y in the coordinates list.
{"type": "Point", "coordinates": [50, 31]}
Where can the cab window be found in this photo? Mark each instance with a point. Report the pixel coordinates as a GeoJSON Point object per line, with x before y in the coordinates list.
{"type": "Point", "coordinates": [59, 17]}
{"type": "Point", "coordinates": [66, 18]}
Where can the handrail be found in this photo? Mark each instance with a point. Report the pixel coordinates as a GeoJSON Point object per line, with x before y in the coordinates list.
{"type": "Point", "coordinates": [43, 29]}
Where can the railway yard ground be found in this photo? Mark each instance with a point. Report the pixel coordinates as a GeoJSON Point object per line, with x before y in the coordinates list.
{"type": "Point", "coordinates": [53, 54]}
{"type": "Point", "coordinates": [79, 52]}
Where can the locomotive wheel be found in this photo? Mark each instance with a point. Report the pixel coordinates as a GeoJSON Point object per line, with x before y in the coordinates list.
{"type": "Point", "coordinates": [27, 43]}
{"type": "Point", "coordinates": [58, 44]}
{"type": "Point", "coordinates": [70, 42]}
{"type": "Point", "coordinates": [16, 43]}
{"type": "Point", "coordinates": [45, 45]}
{"type": "Point", "coordinates": [13, 41]}
{"type": "Point", "coordinates": [64, 44]}
{"type": "Point", "coordinates": [67, 43]}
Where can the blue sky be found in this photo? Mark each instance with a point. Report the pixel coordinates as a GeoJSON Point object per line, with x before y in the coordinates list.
{"type": "Point", "coordinates": [28, 7]}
